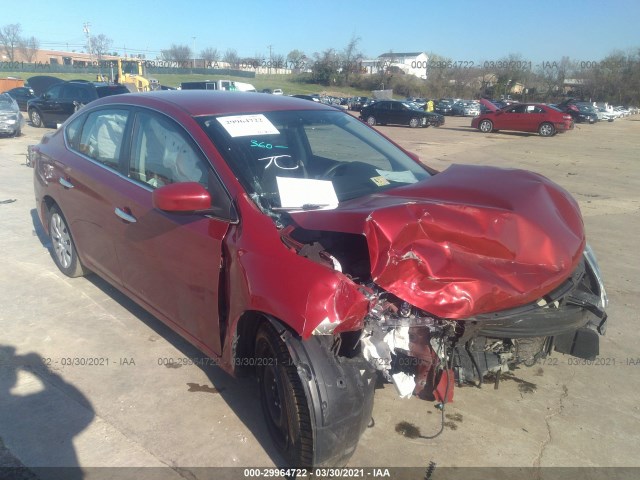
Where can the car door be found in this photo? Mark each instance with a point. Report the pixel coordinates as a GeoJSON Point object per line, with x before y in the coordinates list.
{"type": "Point", "coordinates": [534, 116]}
{"type": "Point", "coordinates": [400, 114]}
{"type": "Point", "coordinates": [512, 118]}
{"type": "Point", "coordinates": [172, 262]}
{"type": "Point", "coordinates": [49, 104]}
{"type": "Point", "coordinates": [382, 112]}
{"type": "Point", "coordinates": [90, 174]}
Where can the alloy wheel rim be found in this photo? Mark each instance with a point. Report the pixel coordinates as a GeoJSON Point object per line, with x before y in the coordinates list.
{"type": "Point", "coordinates": [61, 240]}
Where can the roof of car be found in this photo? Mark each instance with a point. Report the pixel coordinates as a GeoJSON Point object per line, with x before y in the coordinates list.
{"type": "Point", "coordinates": [207, 102]}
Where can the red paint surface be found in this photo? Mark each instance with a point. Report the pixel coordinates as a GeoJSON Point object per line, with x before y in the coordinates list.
{"type": "Point", "coordinates": [470, 240]}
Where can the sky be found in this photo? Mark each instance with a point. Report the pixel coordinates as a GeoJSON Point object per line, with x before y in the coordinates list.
{"type": "Point", "coordinates": [462, 30]}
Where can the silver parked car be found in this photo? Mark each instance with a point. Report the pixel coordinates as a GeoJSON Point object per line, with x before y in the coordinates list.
{"type": "Point", "coordinates": [11, 120]}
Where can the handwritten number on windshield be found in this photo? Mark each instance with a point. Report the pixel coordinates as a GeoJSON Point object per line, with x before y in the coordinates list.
{"type": "Point", "coordinates": [268, 146]}
{"type": "Point", "coordinates": [279, 162]}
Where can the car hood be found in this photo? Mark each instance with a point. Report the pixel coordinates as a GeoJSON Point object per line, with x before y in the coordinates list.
{"type": "Point", "coordinates": [488, 105]}
{"type": "Point", "coordinates": [467, 241]}
{"type": "Point", "coordinates": [41, 83]}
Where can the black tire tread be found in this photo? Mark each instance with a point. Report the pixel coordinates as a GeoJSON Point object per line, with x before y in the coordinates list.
{"type": "Point", "coordinates": [301, 453]}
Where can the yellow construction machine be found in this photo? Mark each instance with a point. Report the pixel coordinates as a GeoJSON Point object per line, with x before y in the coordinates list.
{"type": "Point", "coordinates": [135, 82]}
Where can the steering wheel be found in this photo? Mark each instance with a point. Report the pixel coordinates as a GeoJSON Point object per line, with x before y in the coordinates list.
{"type": "Point", "coordinates": [331, 171]}
{"type": "Point", "coordinates": [362, 167]}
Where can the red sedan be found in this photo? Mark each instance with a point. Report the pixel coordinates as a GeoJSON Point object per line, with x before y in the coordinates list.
{"type": "Point", "coordinates": [287, 239]}
{"type": "Point", "coordinates": [523, 117]}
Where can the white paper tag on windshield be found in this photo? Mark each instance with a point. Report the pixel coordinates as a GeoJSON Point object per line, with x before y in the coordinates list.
{"type": "Point", "coordinates": [306, 192]}
{"type": "Point", "coordinates": [245, 125]}
{"type": "Point", "coordinates": [401, 177]}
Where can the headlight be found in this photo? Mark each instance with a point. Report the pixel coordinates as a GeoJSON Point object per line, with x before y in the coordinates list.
{"type": "Point", "coordinates": [592, 261]}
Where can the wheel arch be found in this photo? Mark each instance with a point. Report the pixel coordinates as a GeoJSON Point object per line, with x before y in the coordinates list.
{"type": "Point", "coordinates": [339, 390]}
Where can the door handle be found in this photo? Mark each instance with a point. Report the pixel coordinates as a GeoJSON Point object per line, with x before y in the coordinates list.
{"type": "Point", "coordinates": [65, 183]}
{"type": "Point", "coordinates": [125, 216]}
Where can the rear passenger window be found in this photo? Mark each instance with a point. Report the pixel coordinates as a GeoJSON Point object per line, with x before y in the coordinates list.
{"type": "Point", "coordinates": [102, 136]}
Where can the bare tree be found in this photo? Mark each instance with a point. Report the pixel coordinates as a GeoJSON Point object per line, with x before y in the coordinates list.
{"type": "Point", "coordinates": [28, 48]}
{"type": "Point", "coordinates": [231, 57]}
{"type": "Point", "coordinates": [210, 55]}
{"type": "Point", "coordinates": [351, 57]}
{"type": "Point", "coordinates": [99, 45]}
{"type": "Point", "coordinates": [10, 39]}
{"type": "Point", "coordinates": [296, 60]}
{"type": "Point", "coordinates": [181, 54]}
{"type": "Point", "coordinates": [278, 61]}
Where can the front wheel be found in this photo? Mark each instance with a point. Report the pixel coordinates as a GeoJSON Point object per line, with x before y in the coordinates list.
{"type": "Point", "coordinates": [64, 250]}
{"type": "Point", "coordinates": [371, 121]}
{"type": "Point", "coordinates": [414, 122]}
{"type": "Point", "coordinates": [485, 126]}
{"type": "Point", "coordinates": [36, 119]}
{"type": "Point", "coordinates": [546, 130]}
{"type": "Point", "coordinates": [283, 399]}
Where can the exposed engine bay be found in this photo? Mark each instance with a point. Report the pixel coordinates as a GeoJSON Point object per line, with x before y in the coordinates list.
{"type": "Point", "coordinates": [425, 355]}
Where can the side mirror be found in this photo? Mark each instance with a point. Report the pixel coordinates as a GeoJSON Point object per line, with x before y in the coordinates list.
{"type": "Point", "coordinates": [181, 197]}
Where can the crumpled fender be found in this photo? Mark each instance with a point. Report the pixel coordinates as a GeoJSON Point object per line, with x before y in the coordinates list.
{"type": "Point", "coordinates": [266, 276]}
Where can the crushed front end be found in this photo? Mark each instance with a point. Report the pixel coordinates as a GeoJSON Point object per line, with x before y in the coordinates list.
{"type": "Point", "coordinates": [469, 273]}
{"type": "Point", "coordinates": [414, 349]}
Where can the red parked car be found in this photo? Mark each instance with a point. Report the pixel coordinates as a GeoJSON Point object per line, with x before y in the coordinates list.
{"type": "Point", "coordinates": [288, 238]}
{"type": "Point", "coordinates": [523, 117]}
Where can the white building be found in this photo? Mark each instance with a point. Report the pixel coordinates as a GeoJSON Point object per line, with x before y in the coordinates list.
{"type": "Point", "coordinates": [414, 63]}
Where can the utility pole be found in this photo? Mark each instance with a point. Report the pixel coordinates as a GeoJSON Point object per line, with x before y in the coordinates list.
{"type": "Point", "coordinates": [87, 32]}
{"type": "Point", "coordinates": [270, 61]}
{"type": "Point", "coordinates": [194, 52]}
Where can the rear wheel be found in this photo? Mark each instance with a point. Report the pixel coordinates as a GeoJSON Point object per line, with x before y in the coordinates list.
{"type": "Point", "coordinates": [414, 122]}
{"type": "Point", "coordinates": [546, 130]}
{"type": "Point", "coordinates": [283, 398]}
{"type": "Point", "coordinates": [36, 119]}
{"type": "Point", "coordinates": [64, 250]}
{"type": "Point", "coordinates": [371, 121]}
{"type": "Point", "coordinates": [485, 126]}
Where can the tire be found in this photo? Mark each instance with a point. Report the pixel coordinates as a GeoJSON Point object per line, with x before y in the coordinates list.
{"type": "Point", "coordinates": [414, 122]}
{"type": "Point", "coordinates": [485, 126]}
{"type": "Point", "coordinates": [63, 249]}
{"type": "Point", "coordinates": [547, 130]}
{"type": "Point", "coordinates": [36, 119]}
{"type": "Point", "coordinates": [283, 399]}
{"type": "Point", "coordinates": [371, 121]}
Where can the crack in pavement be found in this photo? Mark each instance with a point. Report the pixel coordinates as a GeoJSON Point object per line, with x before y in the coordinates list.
{"type": "Point", "coordinates": [547, 419]}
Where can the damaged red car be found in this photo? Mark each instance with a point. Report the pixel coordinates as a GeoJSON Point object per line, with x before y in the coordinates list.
{"type": "Point", "coordinates": [289, 240]}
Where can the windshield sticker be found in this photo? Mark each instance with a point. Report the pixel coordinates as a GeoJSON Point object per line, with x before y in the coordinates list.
{"type": "Point", "coordinates": [246, 125]}
{"type": "Point", "coordinates": [306, 193]}
{"type": "Point", "coordinates": [268, 146]}
{"type": "Point", "coordinates": [400, 177]}
{"type": "Point", "coordinates": [380, 181]}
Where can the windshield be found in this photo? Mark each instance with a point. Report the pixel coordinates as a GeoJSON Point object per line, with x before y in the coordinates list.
{"type": "Point", "coordinates": [6, 102]}
{"type": "Point", "coordinates": [308, 159]}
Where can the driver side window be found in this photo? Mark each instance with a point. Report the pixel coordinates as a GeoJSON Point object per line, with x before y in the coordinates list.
{"type": "Point", "coordinates": [162, 153]}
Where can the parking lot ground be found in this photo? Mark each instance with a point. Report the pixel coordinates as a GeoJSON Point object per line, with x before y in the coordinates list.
{"type": "Point", "coordinates": [89, 379]}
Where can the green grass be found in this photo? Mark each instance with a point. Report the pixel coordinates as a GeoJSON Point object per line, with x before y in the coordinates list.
{"type": "Point", "coordinates": [285, 82]}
